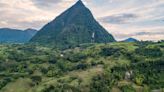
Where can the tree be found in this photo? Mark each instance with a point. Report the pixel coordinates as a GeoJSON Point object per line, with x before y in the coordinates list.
{"type": "Point", "coordinates": [36, 79]}
{"type": "Point", "coordinates": [101, 83]}
{"type": "Point", "coordinates": [110, 51]}
{"type": "Point", "coordinates": [139, 79]}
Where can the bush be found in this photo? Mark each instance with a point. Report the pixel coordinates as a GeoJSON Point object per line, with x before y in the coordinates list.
{"type": "Point", "coordinates": [76, 57]}
{"type": "Point", "coordinates": [52, 61]}
{"type": "Point", "coordinates": [139, 79]}
{"type": "Point", "coordinates": [101, 83]}
{"type": "Point", "coordinates": [109, 51]}
{"type": "Point", "coordinates": [81, 66]}
{"type": "Point", "coordinates": [4, 82]}
{"type": "Point", "coordinates": [61, 88]}
{"type": "Point", "coordinates": [149, 52]}
{"type": "Point", "coordinates": [127, 88]}
{"type": "Point", "coordinates": [36, 79]}
{"type": "Point", "coordinates": [146, 89]}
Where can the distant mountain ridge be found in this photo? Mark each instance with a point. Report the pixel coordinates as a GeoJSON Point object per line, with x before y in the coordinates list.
{"type": "Point", "coordinates": [130, 40]}
{"type": "Point", "coordinates": [73, 27]}
{"type": "Point", "coordinates": [8, 35]}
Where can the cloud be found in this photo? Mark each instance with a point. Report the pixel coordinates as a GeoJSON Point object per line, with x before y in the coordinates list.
{"type": "Point", "coordinates": [51, 4]}
{"type": "Point", "coordinates": [148, 33]}
{"type": "Point", "coordinates": [18, 14]}
{"type": "Point", "coordinates": [119, 18]}
{"type": "Point", "coordinates": [45, 4]}
{"type": "Point", "coordinates": [141, 34]}
{"type": "Point", "coordinates": [2, 4]}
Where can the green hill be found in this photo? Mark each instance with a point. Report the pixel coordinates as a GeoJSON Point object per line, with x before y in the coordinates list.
{"type": "Point", "coordinates": [73, 27]}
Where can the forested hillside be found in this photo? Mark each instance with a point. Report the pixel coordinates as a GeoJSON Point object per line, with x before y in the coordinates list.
{"type": "Point", "coordinates": [113, 67]}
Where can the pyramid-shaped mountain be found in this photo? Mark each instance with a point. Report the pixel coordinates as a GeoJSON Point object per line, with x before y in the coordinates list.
{"type": "Point", "coordinates": [73, 27]}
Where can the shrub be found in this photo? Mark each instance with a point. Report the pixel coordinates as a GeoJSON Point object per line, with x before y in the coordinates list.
{"type": "Point", "coordinates": [127, 88]}
{"type": "Point", "coordinates": [139, 79]}
{"type": "Point", "coordinates": [36, 79]}
{"type": "Point", "coordinates": [81, 66]}
{"type": "Point", "coordinates": [109, 51]}
{"type": "Point", "coordinates": [149, 52]}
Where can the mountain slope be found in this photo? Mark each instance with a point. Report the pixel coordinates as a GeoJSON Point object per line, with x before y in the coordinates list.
{"type": "Point", "coordinates": [73, 27]}
{"type": "Point", "coordinates": [16, 36]}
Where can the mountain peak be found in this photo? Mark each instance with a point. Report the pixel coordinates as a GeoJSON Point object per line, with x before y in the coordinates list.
{"type": "Point", "coordinates": [73, 27]}
{"type": "Point", "coordinates": [130, 40]}
{"type": "Point", "coordinates": [79, 3]}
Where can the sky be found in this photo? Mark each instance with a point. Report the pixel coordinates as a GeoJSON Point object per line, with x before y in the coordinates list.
{"type": "Point", "coordinates": [140, 19]}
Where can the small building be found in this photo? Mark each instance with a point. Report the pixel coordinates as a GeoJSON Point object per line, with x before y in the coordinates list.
{"type": "Point", "coordinates": [128, 74]}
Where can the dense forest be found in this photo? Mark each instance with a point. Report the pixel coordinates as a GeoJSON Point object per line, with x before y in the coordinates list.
{"type": "Point", "coordinates": [112, 67]}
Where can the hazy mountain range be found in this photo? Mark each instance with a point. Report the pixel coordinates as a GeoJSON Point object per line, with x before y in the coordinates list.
{"type": "Point", "coordinates": [8, 35]}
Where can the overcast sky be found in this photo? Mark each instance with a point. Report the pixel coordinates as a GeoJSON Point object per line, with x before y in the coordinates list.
{"type": "Point", "coordinates": [141, 19]}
